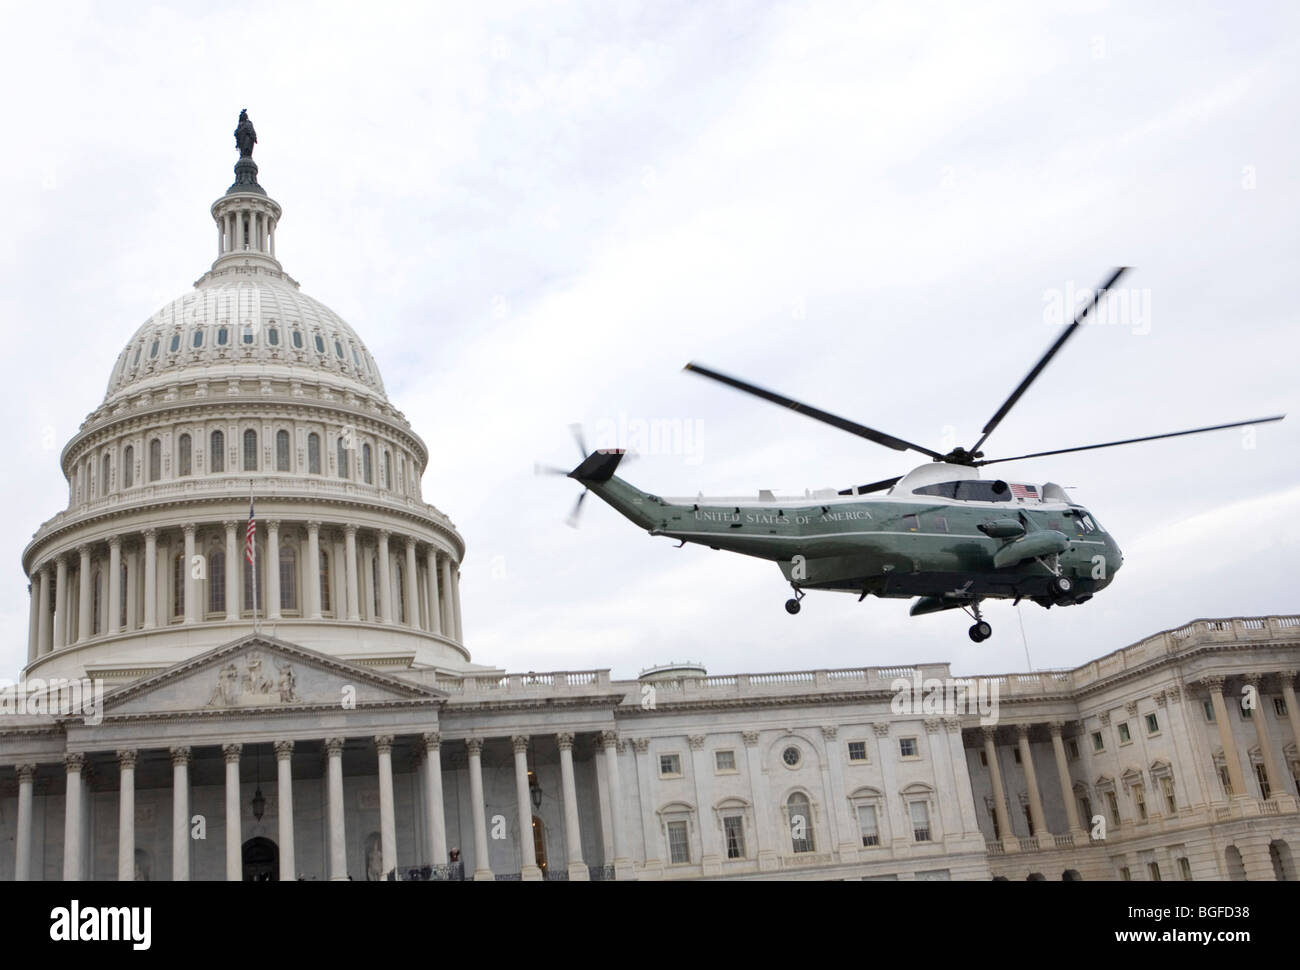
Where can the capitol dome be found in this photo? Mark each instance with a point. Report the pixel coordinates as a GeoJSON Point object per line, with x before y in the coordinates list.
{"type": "Point", "coordinates": [243, 390]}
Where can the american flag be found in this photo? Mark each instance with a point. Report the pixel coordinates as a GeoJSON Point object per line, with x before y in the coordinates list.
{"type": "Point", "coordinates": [251, 533]}
{"type": "Point", "coordinates": [1024, 491]}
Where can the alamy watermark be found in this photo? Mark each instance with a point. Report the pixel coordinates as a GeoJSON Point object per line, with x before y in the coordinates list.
{"type": "Point", "coordinates": [946, 696]}
{"type": "Point", "coordinates": [653, 436]}
{"type": "Point", "coordinates": [1119, 306]}
{"type": "Point", "coordinates": [56, 696]}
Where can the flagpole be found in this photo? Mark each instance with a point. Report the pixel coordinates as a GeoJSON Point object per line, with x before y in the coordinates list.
{"type": "Point", "coordinates": [252, 551]}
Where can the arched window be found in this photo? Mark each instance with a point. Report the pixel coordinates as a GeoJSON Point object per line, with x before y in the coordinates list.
{"type": "Point", "coordinates": [401, 592]}
{"type": "Point", "coordinates": [388, 470]}
{"type": "Point", "coordinates": [799, 813]}
{"type": "Point", "coordinates": [155, 460]}
{"type": "Point", "coordinates": [97, 601]}
{"type": "Point", "coordinates": [105, 473]}
{"type": "Point", "coordinates": [343, 459]}
{"type": "Point", "coordinates": [128, 466]}
{"type": "Point", "coordinates": [217, 452]}
{"type": "Point", "coordinates": [282, 451]}
{"type": "Point", "coordinates": [178, 585]}
{"type": "Point", "coordinates": [288, 578]}
{"type": "Point", "coordinates": [250, 450]}
{"type": "Point", "coordinates": [367, 470]}
{"type": "Point", "coordinates": [198, 337]}
{"type": "Point", "coordinates": [217, 582]}
{"type": "Point", "coordinates": [324, 581]}
{"type": "Point", "coordinates": [184, 461]}
{"type": "Point", "coordinates": [313, 453]}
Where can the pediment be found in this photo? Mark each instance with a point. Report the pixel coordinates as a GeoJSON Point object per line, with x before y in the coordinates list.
{"type": "Point", "coordinates": [261, 673]}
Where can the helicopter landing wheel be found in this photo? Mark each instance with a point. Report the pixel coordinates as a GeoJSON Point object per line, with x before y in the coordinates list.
{"type": "Point", "coordinates": [981, 631]}
{"type": "Point", "coordinates": [793, 606]}
{"type": "Point", "coordinates": [1060, 585]}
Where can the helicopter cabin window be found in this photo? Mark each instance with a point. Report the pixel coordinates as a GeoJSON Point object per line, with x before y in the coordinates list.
{"type": "Point", "coordinates": [970, 490]}
{"type": "Point", "coordinates": [939, 523]}
{"type": "Point", "coordinates": [910, 523]}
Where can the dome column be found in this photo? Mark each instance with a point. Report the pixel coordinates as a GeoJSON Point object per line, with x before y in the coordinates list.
{"type": "Point", "coordinates": [273, 569]}
{"type": "Point", "coordinates": [233, 590]}
{"type": "Point", "coordinates": [133, 587]}
{"type": "Point", "coordinates": [33, 621]}
{"type": "Point", "coordinates": [431, 568]}
{"type": "Point", "coordinates": [455, 603]}
{"type": "Point", "coordinates": [350, 538]}
{"type": "Point", "coordinates": [150, 578]}
{"type": "Point", "coordinates": [61, 602]}
{"type": "Point", "coordinates": [448, 614]}
{"type": "Point", "coordinates": [187, 576]}
{"type": "Point", "coordinates": [44, 631]}
{"type": "Point", "coordinates": [412, 578]}
{"type": "Point", "coordinates": [312, 592]}
{"type": "Point", "coordinates": [84, 599]}
{"type": "Point", "coordinates": [385, 579]}
{"type": "Point", "coordinates": [114, 585]}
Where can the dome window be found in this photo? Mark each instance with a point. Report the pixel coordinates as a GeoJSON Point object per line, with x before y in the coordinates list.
{"type": "Point", "coordinates": [313, 453]}
{"type": "Point", "coordinates": [282, 451]}
{"type": "Point", "coordinates": [273, 337]}
{"type": "Point", "coordinates": [223, 336]}
{"type": "Point", "coordinates": [138, 351]}
{"type": "Point", "coordinates": [342, 458]}
{"type": "Point", "coordinates": [297, 339]}
{"type": "Point", "coordinates": [198, 338]}
{"type": "Point", "coordinates": [153, 350]}
{"type": "Point", "coordinates": [217, 452]}
{"type": "Point", "coordinates": [250, 450]}
{"type": "Point", "coordinates": [186, 455]}
{"type": "Point", "coordinates": [128, 466]}
{"type": "Point", "coordinates": [355, 359]}
{"type": "Point", "coordinates": [175, 344]}
{"type": "Point", "coordinates": [338, 350]}
{"type": "Point", "coordinates": [248, 333]}
{"type": "Point", "coordinates": [367, 468]}
{"type": "Point", "coordinates": [320, 345]}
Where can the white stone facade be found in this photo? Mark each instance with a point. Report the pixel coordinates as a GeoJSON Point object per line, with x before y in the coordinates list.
{"type": "Point", "coordinates": [340, 730]}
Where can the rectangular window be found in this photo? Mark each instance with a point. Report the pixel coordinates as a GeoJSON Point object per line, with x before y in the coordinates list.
{"type": "Point", "coordinates": [910, 523]}
{"type": "Point", "coordinates": [679, 848]}
{"type": "Point", "coordinates": [868, 825]}
{"type": "Point", "coordinates": [1113, 803]}
{"type": "Point", "coordinates": [984, 759]}
{"type": "Point", "coordinates": [1184, 869]}
{"type": "Point", "coordinates": [1124, 736]}
{"type": "Point", "coordinates": [1072, 748]}
{"type": "Point", "coordinates": [857, 751]}
{"type": "Point", "coordinates": [1085, 803]}
{"type": "Point", "coordinates": [670, 765]}
{"type": "Point", "coordinates": [1208, 707]}
{"type": "Point", "coordinates": [1262, 777]}
{"type": "Point", "coordinates": [1153, 725]}
{"type": "Point", "coordinates": [907, 747]}
{"type": "Point", "coordinates": [1167, 789]}
{"type": "Point", "coordinates": [939, 523]}
{"type": "Point", "coordinates": [1153, 869]}
{"type": "Point", "coordinates": [920, 821]}
{"type": "Point", "coordinates": [1015, 752]}
{"type": "Point", "coordinates": [1098, 742]}
{"type": "Point", "coordinates": [1247, 712]}
{"type": "Point", "coordinates": [724, 760]}
{"type": "Point", "coordinates": [1279, 706]}
{"type": "Point", "coordinates": [733, 829]}
{"type": "Point", "coordinates": [1124, 874]}
{"type": "Point", "coordinates": [1225, 780]}
{"type": "Point", "coordinates": [1140, 801]}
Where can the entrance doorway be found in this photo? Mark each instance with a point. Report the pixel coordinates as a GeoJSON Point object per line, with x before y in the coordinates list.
{"type": "Point", "coordinates": [261, 860]}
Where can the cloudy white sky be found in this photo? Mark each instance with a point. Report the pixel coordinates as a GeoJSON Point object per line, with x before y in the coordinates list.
{"type": "Point", "coordinates": [534, 214]}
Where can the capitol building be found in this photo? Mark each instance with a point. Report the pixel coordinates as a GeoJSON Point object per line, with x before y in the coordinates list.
{"type": "Point", "coordinates": [315, 713]}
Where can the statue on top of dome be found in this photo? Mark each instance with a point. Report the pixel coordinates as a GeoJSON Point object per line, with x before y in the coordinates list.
{"type": "Point", "coordinates": [245, 135]}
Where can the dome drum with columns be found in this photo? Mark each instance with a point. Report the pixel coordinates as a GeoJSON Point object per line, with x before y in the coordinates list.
{"type": "Point", "coordinates": [244, 386]}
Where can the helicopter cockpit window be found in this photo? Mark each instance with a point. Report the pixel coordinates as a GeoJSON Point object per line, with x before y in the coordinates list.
{"type": "Point", "coordinates": [1083, 522]}
{"type": "Point", "coordinates": [971, 490]}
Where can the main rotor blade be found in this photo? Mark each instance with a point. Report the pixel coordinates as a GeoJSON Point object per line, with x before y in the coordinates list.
{"type": "Point", "coordinates": [1129, 441]}
{"type": "Point", "coordinates": [861, 430]}
{"type": "Point", "coordinates": [879, 486]}
{"type": "Point", "coordinates": [1052, 351]}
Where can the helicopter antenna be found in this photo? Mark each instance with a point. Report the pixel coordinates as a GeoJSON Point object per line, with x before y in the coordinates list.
{"type": "Point", "coordinates": [1024, 639]}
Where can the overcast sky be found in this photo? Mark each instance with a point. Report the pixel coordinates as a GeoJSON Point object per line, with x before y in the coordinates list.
{"type": "Point", "coordinates": [535, 214]}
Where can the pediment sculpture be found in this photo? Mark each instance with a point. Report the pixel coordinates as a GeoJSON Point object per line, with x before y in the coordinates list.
{"type": "Point", "coordinates": [252, 686]}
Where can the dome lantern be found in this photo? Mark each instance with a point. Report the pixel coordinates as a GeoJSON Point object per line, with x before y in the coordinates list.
{"type": "Point", "coordinates": [246, 216]}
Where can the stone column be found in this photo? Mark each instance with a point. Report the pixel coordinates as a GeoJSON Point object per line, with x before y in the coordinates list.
{"type": "Point", "coordinates": [435, 615]}
{"type": "Point", "coordinates": [482, 867]}
{"type": "Point", "coordinates": [150, 578]}
{"type": "Point", "coordinates": [654, 866]}
{"type": "Point", "coordinates": [234, 589]}
{"type": "Point", "coordinates": [448, 624]}
{"type": "Point", "coordinates": [435, 816]}
{"type": "Point", "coordinates": [412, 578]}
{"type": "Point", "coordinates": [338, 842]}
{"type": "Point", "coordinates": [1292, 708]}
{"type": "Point", "coordinates": [114, 585]}
{"type": "Point", "coordinates": [849, 842]}
{"type": "Point", "coordinates": [234, 828]}
{"type": "Point", "coordinates": [44, 632]}
{"type": "Point", "coordinates": [126, 817]}
{"type": "Point", "coordinates": [528, 869]}
{"type": "Point", "coordinates": [273, 569]}
{"type": "Point", "coordinates": [187, 576]}
{"type": "Point", "coordinates": [133, 587]}
{"type": "Point", "coordinates": [711, 849]}
{"type": "Point", "coordinates": [180, 813]}
{"type": "Point", "coordinates": [312, 591]}
{"type": "Point", "coordinates": [350, 533]}
{"type": "Point", "coordinates": [385, 571]}
{"type": "Point", "coordinates": [284, 794]}
{"type": "Point", "coordinates": [74, 761]}
{"type": "Point", "coordinates": [1215, 686]}
{"type": "Point", "coordinates": [455, 605]}
{"type": "Point", "coordinates": [1063, 777]}
{"type": "Point", "coordinates": [387, 815]}
{"type": "Point", "coordinates": [1007, 834]}
{"type": "Point", "coordinates": [85, 600]}
{"type": "Point", "coordinates": [578, 871]}
{"type": "Point", "coordinates": [1278, 777]}
{"type": "Point", "coordinates": [1031, 781]}
{"type": "Point", "coordinates": [61, 601]}
{"type": "Point", "coordinates": [33, 622]}
{"type": "Point", "coordinates": [23, 838]}
{"type": "Point", "coordinates": [622, 863]}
